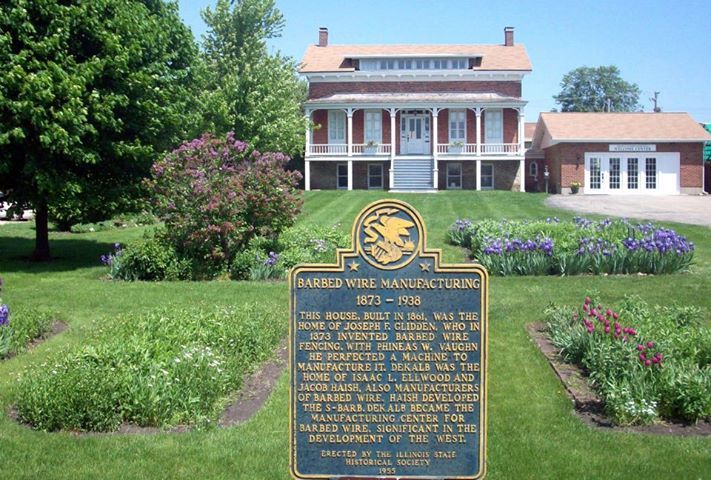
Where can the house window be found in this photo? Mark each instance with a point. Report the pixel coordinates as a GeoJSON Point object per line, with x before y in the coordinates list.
{"type": "Point", "coordinates": [487, 176]}
{"type": "Point", "coordinates": [494, 125]}
{"type": "Point", "coordinates": [341, 176]}
{"type": "Point", "coordinates": [375, 175]}
{"type": "Point", "coordinates": [336, 126]}
{"type": "Point", "coordinates": [650, 173]}
{"type": "Point", "coordinates": [533, 169]}
{"type": "Point", "coordinates": [373, 126]}
{"type": "Point", "coordinates": [457, 126]}
{"type": "Point", "coordinates": [632, 174]}
{"type": "Point", "coordinates": [454, 175]}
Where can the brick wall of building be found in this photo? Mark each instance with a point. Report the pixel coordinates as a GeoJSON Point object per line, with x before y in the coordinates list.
{"type": "Point", "coordinates": [468, 174]}
{"type": "Point", "coordinates": [320, 90]}
{"type": "Point", "coordinates": [323, 175]}
{"type": "Point", "coordinates": [360, 174]}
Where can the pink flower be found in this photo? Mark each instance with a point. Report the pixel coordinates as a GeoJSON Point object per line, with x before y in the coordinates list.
{"type": "Point", "coordinates": [615, 315]}
{"type": "Point", "coordinates": [607, 329]}
{"type": "Point", "coordinates": [608, 312]}
{"type": "Point", "coordinates": [647, 362]}
{"type": "Point", "coordinates": [642, 357]}
{"type": "Point", "coordinates": [640, 347]}
{"type": "Point", "coordinates": [585, 307]}
{"type": "Point", "coordinates": [650, 344]}
{"type": "Point", "coordinates": [593, 312]}
{"type": "Point", "coordinates": [587, 300]}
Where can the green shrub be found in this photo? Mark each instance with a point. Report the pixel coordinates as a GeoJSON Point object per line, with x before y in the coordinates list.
{"type": "Point", "coordinates": [150, 258]}
{"type": "Point", "coordinates": [121, 221]}
{"type": "Point", "coordinates": [19, 329]}
{"type": "Point", "coordinates": [645, 361]}
{"type": "Point", "coordinates": [163, 368]}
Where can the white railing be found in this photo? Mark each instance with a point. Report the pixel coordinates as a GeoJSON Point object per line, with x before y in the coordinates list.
{"type": "Point", "coordinates": [365, 149]}
{"type": "Point", "coordinates": [328, 149]}
{"type": "Point", "coordinates": [457, 149]}
{"type": "Point", "coordinates": [470, 149]}
{"type": "Point", "coordinates": [499, 148]}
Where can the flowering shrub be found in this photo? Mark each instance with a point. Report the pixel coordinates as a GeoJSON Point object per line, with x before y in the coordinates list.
{"type": "Point", "coordinates": [646, 362]}
{"type": "Point", "coordinates": [215, 194]}
{"type": "Point", "coordinates": [161, 368]}
{"type": "Point", "coordinates": [572, 248]}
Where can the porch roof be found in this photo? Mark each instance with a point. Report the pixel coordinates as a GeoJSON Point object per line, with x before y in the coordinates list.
{"type": "Point", "coordinates": [420, 100]}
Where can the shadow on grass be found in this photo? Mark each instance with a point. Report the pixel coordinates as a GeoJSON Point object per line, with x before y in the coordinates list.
{"type": "Point", "coordinates": [67, 254]}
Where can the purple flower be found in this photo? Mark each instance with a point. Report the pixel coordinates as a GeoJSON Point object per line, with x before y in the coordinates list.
{"type": "Point", "coordinates": [4, 315]}
{"type": "Point", "coordinates": [271, 259]}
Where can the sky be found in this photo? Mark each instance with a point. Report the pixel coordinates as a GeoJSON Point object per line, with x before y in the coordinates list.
{"type": "Point", "coordinates": [661, 45]}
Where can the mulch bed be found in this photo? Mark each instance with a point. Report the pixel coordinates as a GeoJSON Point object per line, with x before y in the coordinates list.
{"type": "Point", "coordinates": [588, 405]}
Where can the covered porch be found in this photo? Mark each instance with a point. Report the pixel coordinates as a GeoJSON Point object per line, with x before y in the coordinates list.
{"type": "Point", "coordinates": [411, 135]}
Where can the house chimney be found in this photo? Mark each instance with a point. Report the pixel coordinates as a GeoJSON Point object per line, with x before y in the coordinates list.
{"type": "Point", "coordinates": [509, 36]}
{"type": "Point", "coordinates": [323, 37]}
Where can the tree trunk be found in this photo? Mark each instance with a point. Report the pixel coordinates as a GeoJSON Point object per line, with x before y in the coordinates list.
{"type": "Point", "coordinates": [41, 253]}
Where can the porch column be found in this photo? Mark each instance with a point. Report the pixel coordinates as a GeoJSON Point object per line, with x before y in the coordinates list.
{"type": "Point", "coordinates": [349, 113]}
{"type": "Point", "coordinates": [307, 117]}
{"type": "Point", "coordinates": [477, 112]}
{"type": "Point", "coordinates": [350, 173]}
{"type": "Point", "coordinates": [521, 132]}
{"type": "Point", "coordinates": [393, 114]}
{"type": "Point", "coordinates": [307, 175]}
{"type": "Point", "coordinates": [435, 169]}
{"type": "Point", "coordinates": [521, 147]}
{"type": "Point", "coordinates": [478, 170]}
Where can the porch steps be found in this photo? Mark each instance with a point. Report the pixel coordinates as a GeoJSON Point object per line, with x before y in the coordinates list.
{"type": "Point", "coordinates": [412, 174]}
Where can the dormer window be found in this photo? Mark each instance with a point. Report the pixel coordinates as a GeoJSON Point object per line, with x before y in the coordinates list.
{"type": "Point", "coordinates": [371, 64]}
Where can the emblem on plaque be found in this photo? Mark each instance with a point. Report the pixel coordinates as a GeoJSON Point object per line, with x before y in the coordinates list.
{"type": "Point", "coordinates": [389, 235]}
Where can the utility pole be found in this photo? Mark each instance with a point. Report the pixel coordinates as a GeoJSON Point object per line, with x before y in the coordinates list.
{"type": "Point", "coordinates": [654, 100]}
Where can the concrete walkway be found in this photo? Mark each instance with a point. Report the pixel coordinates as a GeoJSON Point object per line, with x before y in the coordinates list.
{"type": "Point", "coordinates": [693, 209]}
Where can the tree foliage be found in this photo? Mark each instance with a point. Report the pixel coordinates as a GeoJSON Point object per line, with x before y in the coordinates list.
{"type": "Point", "coordinates": [249, 91]}
{"type": "Point", "coordinates": [592, 89]}
{"type": "Point", "coordinates": [89, 93]}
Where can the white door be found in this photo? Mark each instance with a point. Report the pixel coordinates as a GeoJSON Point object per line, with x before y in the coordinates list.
{"type": "Point", "coordinates": [634, 174]}
{"type": "Point", "coordinates": [415, 134]}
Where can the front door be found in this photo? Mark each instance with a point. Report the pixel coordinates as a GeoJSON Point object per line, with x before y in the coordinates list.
{"type": "Point", "coordinates": [415, 134]}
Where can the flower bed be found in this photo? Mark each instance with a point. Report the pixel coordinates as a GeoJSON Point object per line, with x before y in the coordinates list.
{"type": "Point", "coordinates": [163, 368]}
{"type": "Point", "coordinates": [552, 247]}
{"type": "Point", "coordinates": [647, 363]}
{"type": "Point", "coordinates": [19, 330]}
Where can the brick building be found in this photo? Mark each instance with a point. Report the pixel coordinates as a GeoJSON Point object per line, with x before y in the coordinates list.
{"type": "Point", "coordinates": [415, 117]}
{"type": "Point", "coordinates": [619, 153]}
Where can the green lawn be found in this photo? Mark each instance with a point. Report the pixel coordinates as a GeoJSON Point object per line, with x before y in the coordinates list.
{"type": "Point", "coordinates": [533, 432]}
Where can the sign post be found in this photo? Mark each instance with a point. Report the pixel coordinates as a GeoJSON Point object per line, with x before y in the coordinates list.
{"type": "Point", "coordinates": [388, 357]}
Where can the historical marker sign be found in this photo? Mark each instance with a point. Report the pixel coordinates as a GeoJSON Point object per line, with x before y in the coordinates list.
{"type": "Point", "coordinates": [388, 357]}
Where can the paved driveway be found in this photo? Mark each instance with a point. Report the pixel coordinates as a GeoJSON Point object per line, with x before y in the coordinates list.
{"type": "Point", "coordinates": [694, 209]}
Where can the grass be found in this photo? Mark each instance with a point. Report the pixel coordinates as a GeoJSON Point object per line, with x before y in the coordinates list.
{"type": "Point", "coordinates": [532, 431]}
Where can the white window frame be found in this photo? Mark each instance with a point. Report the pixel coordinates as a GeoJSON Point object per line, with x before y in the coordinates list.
{"type": "Point", "coordinates": [494, 125]}
{"type": "Point", "coordinates": [451, 176]}
{"type": "Point", "coordinates": [458, 127]}
{"type": "Point", "coordinates": [487, 187]}
{"type": "Point", "coordinates": [381, 175]}
{"type": "Point", "coordinates": [339, 176]}
{"type": "Point", "coordinates": [373, 126]}
{"type": "Point", "coordinates": [533, 169]}
{"type": "Point", "coordinates": [336, 126]}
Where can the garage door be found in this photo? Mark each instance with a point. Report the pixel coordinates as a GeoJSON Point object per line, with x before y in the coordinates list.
{"type": "Point", "coordinates": [632, 174]}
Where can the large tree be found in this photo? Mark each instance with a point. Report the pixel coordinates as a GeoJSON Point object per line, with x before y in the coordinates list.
{"type": "Point", "coordinates": [90, 92]}
{"type": "Point", "coordinates": [248, 90]}
{"type": "Point", "coordinates": [597, 89]}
